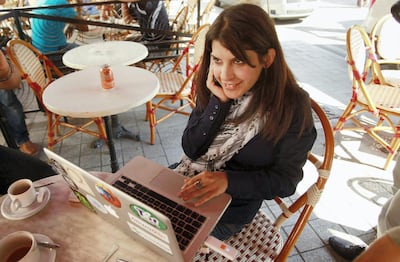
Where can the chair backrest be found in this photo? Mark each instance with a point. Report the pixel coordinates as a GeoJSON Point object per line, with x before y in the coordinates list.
{"type": "Point", "coordinates": [193, 51]}
{"type": "Point", "coordinates": [33, 66]}
{"type": "Point", "coordinates": [205, 15]}
{"type": "Point", "coordinates": [180, 22]}
{"type": "Point", "coordinates": [306, 202]}
{"type": "Point", "coordinates": [362, 61]}
{"type": "Point", "coordinates": [385, 36]}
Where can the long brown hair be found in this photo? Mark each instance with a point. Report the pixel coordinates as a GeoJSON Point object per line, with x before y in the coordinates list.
{"type": "Point", "coordinates": [248, 27]}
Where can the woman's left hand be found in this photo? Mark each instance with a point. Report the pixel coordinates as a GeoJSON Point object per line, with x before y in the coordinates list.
{"type": "Point", "coordinates": [204, 187]}
{"type": "Point", "coordinates": [215, 87]}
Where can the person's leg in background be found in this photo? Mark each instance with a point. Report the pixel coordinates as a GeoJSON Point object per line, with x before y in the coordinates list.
{"type": "Point", "coordinates": [14, 113]}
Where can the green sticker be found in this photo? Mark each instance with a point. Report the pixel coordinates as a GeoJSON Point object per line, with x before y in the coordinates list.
{"type": "Point", "coordinates": [147, 216]}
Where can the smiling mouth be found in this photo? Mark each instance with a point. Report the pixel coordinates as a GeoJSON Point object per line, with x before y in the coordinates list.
{"type": "Point", "coordinates": [230, 86]}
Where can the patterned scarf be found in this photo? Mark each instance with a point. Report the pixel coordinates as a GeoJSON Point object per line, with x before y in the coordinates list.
{"type": "Point", "coordinates": [229, 140]}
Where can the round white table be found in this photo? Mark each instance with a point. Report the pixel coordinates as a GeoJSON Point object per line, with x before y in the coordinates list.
{"type": "Point", "coordinates": [79, 94]}
{"type": "Point", "coordinates": [112, 53]}
{"type": "Point", "coordinates": [109, 52]}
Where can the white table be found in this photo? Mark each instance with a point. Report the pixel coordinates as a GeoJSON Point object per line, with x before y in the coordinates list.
{"type": "Point", "coordinates": [79, 94]}
{"type": "Point", "coordinates": [112, 53]}
{"type": "Point", "coordinates": [109, 52]}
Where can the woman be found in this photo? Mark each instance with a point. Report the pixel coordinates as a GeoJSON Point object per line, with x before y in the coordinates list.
{"type": "Point", "coordinates": [252, 126]}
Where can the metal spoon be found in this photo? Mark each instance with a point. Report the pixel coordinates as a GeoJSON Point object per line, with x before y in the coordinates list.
{"type": "Point", "coordinates": [48, 244]}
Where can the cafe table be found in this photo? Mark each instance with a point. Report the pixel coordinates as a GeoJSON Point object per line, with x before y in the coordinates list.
{"type": "Point", "coordinates": [79, 94]}
{"type": "Point", "coordinates": [82, 234]}
{"type": "Point", "coordinates": [108, 52]}
{"type": "Point", "coordinates": [112, 53]}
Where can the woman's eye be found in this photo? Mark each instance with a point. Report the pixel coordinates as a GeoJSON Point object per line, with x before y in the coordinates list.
{"type": "Point", "coordinates": [237, 61]}
{"type": "Point", "coordinates": [216, 60]}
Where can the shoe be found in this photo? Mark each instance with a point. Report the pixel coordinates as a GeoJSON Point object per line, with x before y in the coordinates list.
{"type": "Point", "coordinates": [29, 148]}
{"type": "Point", "coordinates": [345, 248]}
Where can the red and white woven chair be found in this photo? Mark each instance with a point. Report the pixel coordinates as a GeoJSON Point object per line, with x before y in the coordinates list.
{"type": "Point", "coordinates": [262, 240]}
{"type": "Point", "coordinates": [39, 72]}
{"type": "Point", "coordinates": [387, 46]}
{"type": "Point", "coordinates": [372, 96]}
{"type": "Point", "coordinates": [176, 85]}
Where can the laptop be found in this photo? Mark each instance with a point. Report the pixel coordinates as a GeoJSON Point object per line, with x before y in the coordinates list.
{"type": "Point", "coordinates": [141, 199]}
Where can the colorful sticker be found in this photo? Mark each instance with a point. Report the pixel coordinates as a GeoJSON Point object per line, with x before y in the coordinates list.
{"type": "Point", "coordinates": [150, 238]}
{"type": "Point", "coordinates": [108, 195]}
{"type": "Point", "coordinates": [84, 201]}
{"type": "Point", "coordinates": [99, 206]}
{"type": "Point", "coordinates": [78, 179]}
{"type": "Point", "coordinates": [149, 228]}
{"type": "Point", "coordinates": [147, 216]}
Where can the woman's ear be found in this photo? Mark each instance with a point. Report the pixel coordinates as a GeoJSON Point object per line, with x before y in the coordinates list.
{"type": "Point", "coordinates": [269, 57]}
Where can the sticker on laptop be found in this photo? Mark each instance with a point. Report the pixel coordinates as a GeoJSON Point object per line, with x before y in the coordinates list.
{"type": "Point", "coordinates": [157, 242]}
{"type": "Point", "coordinates": [84, 201]}
{"type": "Point", "coordinates": [148, 217]}
{"type": "Point", "coordinates": [108, 195]}
{"type": "Point", "coordinates": [103, 208]}
{"type": "Point", "coordinates": [99, 206]}
{"type": "Point", "coordinates": [139, 223]}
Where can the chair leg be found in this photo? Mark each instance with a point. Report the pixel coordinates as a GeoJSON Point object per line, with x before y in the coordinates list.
{"type": "Point", "coordinates": [395, 145]}
{"type": "Point", "coordinates": [152, 121]}
{"type": "Point", "coordinates": [50, 131]}
{"type": "Point", "coordinates": [342, 119]}
{"type": "Point", "coordinates": [101, 128]}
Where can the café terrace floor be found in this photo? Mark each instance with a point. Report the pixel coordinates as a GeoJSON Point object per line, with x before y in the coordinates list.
{"type": "Point", "coordinates": [350, 204]}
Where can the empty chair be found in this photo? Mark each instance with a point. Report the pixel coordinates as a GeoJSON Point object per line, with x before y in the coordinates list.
{"type": "Point", "coordinates": [39, 71]}
{"type": "Point", "coordinates": [372, 96]}
{"type": "Point", "coordinates": [261, 240]}
{"type": "Point", "coordinates": [177, 86]}
{"type": "Point", "coordinates": [385, 38]}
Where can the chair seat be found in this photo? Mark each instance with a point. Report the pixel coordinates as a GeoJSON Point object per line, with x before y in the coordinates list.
{"type": "Point", "coordinates": [170, 83]}
{"type": "Point", "coordinates": [392, 76]}
{"type": "Point", "coordinates": [258, 241]}
{"type": "Point", "coordinates": [385, 97]}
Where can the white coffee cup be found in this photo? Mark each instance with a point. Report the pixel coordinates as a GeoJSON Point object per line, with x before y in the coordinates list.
{"type": "Point", "coordinates": [19, 246]}
{"type": "Point", "coordinates": [23, 194]}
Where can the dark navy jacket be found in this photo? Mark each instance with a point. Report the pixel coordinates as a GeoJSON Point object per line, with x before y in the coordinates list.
{"type": "Point", "coordinates": [259, 170]}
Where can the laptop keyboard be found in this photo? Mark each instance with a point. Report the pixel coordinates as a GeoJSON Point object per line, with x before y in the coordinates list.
{"type": "Point", "coordinates": [185, 221]}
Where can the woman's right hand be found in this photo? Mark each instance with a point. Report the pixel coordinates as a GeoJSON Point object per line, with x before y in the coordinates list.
{"type": "Point", "coordinates": [215, 87]}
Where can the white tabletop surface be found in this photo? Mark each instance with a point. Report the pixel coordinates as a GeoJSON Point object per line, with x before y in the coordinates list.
{"type": "Point", "coordinates": [109, 52]}
{"type": "Point", "coordinates": [79, 94]}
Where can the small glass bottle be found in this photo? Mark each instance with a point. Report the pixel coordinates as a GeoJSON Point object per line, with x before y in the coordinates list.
{"type": "Point", "coordinates": [107, 77]}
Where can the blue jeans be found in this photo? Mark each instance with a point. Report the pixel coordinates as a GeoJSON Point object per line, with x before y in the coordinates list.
{"type": "Point", "coordinates": [224, 231]}
{"type": "Point", "coordinates": [56, 57]}
{"type": "Point", "coordinates": [12, 108]}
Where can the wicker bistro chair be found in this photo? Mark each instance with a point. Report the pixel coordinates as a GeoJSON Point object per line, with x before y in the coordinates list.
{"type": "Point", "coordinates": [39, 71]}
{"type": "Point", "coordinates": [262, 240]}
{"type": "Point", "coordinates": [175, 85]}
{"type": "Point", "coordinates": [384, 36]}
{"type": "Point", "coordinates": [371, 96]}
{"type": "Point", "coordinates": [165, 59]}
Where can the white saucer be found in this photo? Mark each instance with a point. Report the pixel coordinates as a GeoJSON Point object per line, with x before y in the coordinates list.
{"type": "Point", "coordinates": [24, 212]}
{"type": "Point", "coordinates": [46, 254]}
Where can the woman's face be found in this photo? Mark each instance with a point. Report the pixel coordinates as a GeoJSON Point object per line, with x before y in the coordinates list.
{"type": "Point", "coordinates": [235, 76]}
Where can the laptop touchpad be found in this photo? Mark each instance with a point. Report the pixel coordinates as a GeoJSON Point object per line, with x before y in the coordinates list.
{"type": "Point", "coordinates": [168, 181]}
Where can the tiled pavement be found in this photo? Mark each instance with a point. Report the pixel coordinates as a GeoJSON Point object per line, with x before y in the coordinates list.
{"type": "Point", "coordinates": [357, 187]}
